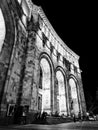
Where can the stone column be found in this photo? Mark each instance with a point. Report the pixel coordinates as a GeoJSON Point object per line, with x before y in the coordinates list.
{"type": "Point", "coordinates": [82, 98]}
{"type": "Point", "coordinates": [52, 93]}
{"type": "Point", "coordinates": [29, 84]}
{"type": "Point", "coordinates": [55, 94]}
{"type": "Point", "coordinates": [79, 98]}
{"type": "Point", "coordinates": [67, 97]}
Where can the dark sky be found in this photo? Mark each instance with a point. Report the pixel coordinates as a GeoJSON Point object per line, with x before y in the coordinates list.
{"type": "Point", "coordinates": [76, 23]}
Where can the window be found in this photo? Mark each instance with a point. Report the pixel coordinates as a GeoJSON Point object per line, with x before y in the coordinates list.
{"type": "Point", "coordinates": [10, 110]}
{"type": "Point", "coordinates": [44, 39]}
{"type": "Point", "coordinates": [40, 80]}
{"type": "Point", "coordinates": [39, 102]}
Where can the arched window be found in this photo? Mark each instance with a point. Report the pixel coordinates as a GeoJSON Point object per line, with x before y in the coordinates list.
{"type": "Point", "coordinates": [74, 96]}
{"type": "Point", "coordinates": [61, 93]}
{"type": "Point", "coordinates": [45, 80]}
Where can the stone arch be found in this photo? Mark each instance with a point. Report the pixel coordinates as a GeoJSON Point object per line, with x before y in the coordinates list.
{"type": "Point", "coordinates": [7, 46]}
{"type": "Point", "coordinates": [9, 24]}
{"type": "Point", "coordinates": [75, 107]}
{"type": "Point", "coordinates": [61, 90]}
{"type": "Point", "coordinates": [47, 56]}
{"type": "Point", "coordinates": [46, 83]}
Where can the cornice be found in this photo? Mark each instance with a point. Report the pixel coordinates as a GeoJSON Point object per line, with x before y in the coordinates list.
{"type": "Point", "coordinates": [46, 21]}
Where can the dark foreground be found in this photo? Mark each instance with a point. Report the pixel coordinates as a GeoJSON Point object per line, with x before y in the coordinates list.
{"type": "Point", "coordinates": [85, 125]}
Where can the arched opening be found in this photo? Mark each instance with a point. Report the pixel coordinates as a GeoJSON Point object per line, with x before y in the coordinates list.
{"type": "Point", "coordinates": [45, 86]}
{"type": "Point", "coordinates": [2, 29]}
{"type": "Point", "coordinates": [74, 97]}
{"type": "Point", "coordinates": [61, 98]}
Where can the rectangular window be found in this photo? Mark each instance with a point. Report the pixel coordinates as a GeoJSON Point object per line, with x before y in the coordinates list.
{"type": "Point", "coordinates": [44, 38]}
{"type": "Point", "coordinates": [10, 110]}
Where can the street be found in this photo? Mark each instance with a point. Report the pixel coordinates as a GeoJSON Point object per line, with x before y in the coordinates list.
{"type": "Point", "coordinates": [85, 125]}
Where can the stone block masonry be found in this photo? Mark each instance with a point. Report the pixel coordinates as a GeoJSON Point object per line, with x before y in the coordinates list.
{"type": "Point", "coordinates": [38, 71]}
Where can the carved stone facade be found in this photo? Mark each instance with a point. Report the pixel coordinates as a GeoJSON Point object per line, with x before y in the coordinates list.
{"type": "Point", "coordinates": [37, 69]}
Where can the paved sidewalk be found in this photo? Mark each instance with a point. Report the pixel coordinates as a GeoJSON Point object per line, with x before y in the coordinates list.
{"type": "Point", "coordinates": [85, 125]}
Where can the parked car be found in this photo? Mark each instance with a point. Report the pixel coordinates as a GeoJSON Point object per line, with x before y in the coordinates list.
{"type": "Point", "coordinates": [92, 118]}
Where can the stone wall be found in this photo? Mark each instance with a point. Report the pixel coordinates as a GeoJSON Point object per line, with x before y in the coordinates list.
{"type": "Point", "coordinates": [30, 37]}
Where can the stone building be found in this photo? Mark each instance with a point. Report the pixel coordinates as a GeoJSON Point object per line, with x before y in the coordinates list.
{"type": "Point", "coordinates": [38, 70]}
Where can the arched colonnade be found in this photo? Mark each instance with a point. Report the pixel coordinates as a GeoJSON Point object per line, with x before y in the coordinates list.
{"type": "Point", "coordinates": [54, 89]}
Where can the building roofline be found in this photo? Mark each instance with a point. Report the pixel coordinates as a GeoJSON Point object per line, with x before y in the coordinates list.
{"type": "Point", "coordinates": [40, 11]}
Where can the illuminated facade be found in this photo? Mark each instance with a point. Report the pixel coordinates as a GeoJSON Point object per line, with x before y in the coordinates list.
{"type": "Point", "coordinates": [37, 69]}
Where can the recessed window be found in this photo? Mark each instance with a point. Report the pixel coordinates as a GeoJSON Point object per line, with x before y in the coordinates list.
{"type": "Point", "coordinates": [10, 110]}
